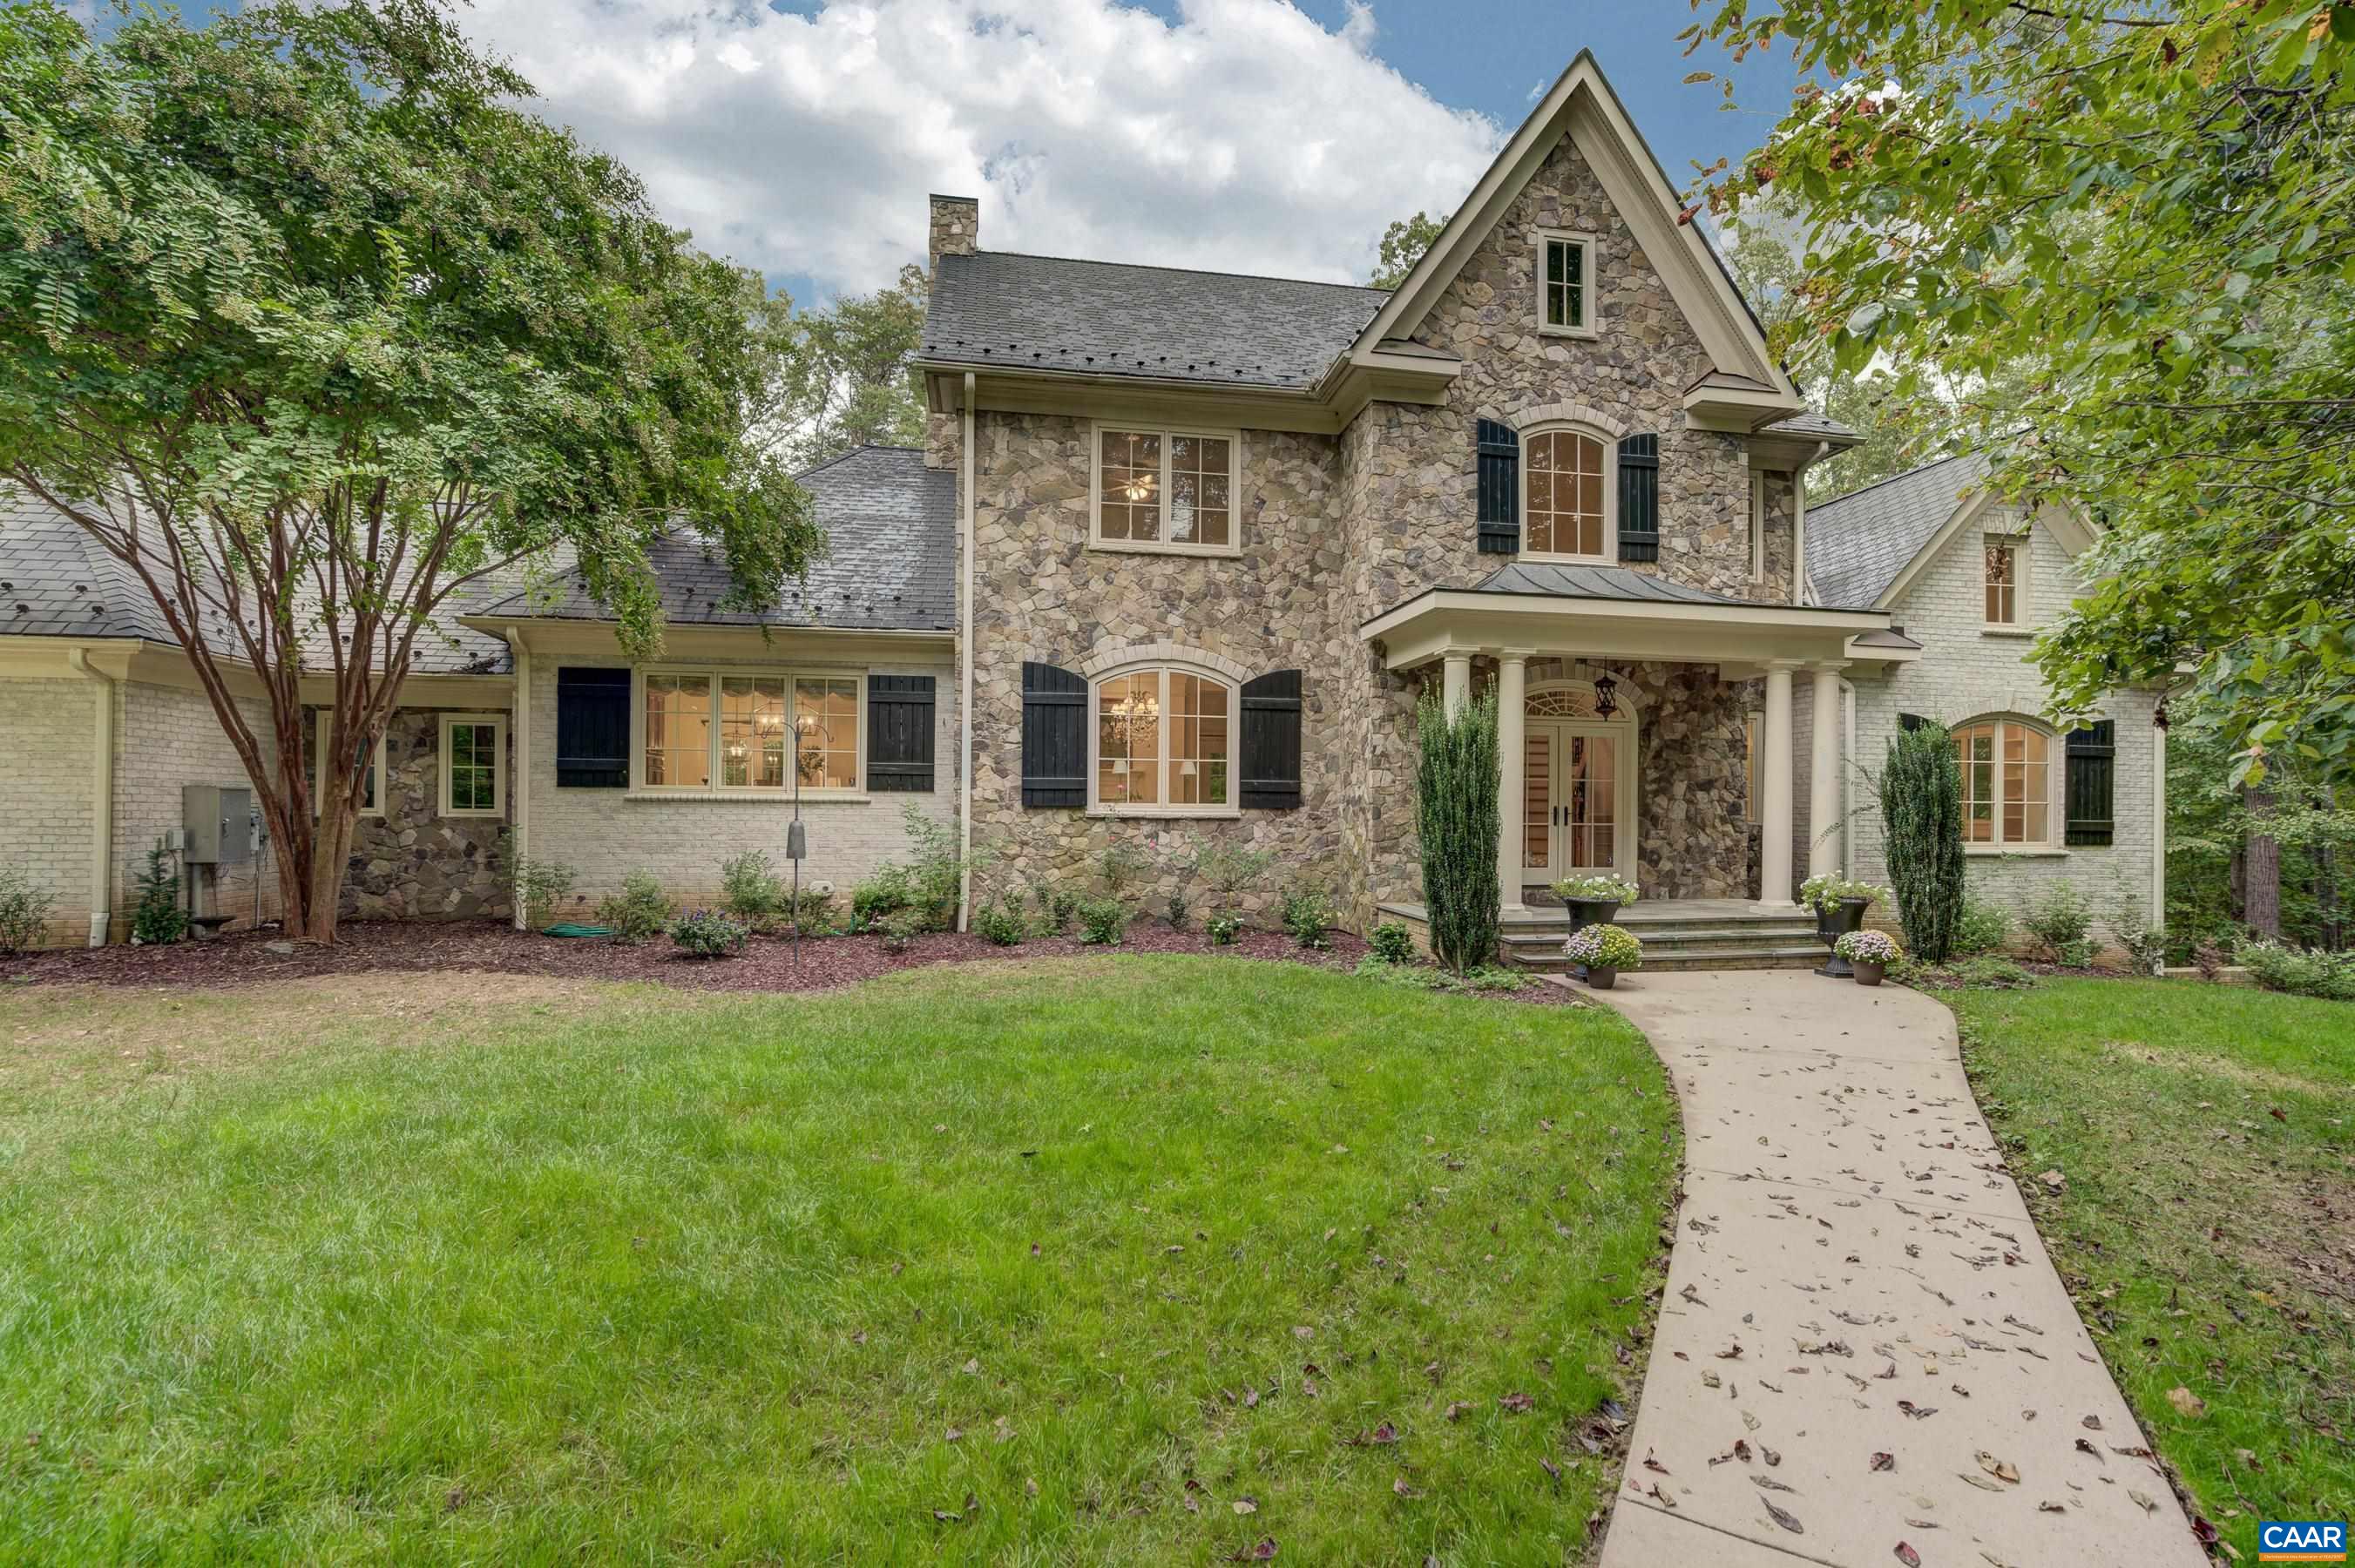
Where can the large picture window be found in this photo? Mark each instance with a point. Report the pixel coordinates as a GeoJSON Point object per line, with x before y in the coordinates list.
{"type": "Point", "coordinates": [1567, 495]}
{"type": "Point", "coordinates": [1164, 743]}
{"type": "Point", "coordinates": [749, 731]}
{"type": "Point", "coordinates": [2006, 784]}
{"type": "Point", "coordinates": [1165, 490]}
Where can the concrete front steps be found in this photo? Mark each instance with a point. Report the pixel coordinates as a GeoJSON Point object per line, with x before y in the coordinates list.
{"type": "Point", "coordinates": [1677, 934]}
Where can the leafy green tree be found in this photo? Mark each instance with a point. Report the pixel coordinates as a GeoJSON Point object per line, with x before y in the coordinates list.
{"type": "Point", "coordinates": [849, 373]}
{"type": "Point", "coordinates": [2138, 221]}
{"type": "Point", "coordinates": [1403, 244]}
{"type": "Point", "coordinates": [1922, 825]}
{"type": "Point", "coordinates": [1455, 811]}
{"type": "Point", "coordinates": [309, 324]}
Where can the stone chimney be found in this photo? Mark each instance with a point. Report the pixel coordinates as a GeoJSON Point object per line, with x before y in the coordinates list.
{"type": "Point", "coordinates": [956, 227]}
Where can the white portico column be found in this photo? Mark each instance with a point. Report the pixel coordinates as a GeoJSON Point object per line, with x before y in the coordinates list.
{"type": "Point", "coordinates": [1823, 772]}
{"type": "Point", "coordinates": [1774, 803]}
{"type": "Point", "coordinates": [1512, 684]}
{"type": "Point", "coordinates": [1455, 681]}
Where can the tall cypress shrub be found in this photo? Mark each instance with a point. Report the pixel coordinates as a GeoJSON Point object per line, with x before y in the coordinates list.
{"type": "Point", "coordinates": [1457, 785]}
{"type": "Point", "coordinates": [1922, 814]}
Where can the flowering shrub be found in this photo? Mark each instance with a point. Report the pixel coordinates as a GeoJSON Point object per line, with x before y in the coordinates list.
{"type": "Point", "coordinates": [1224, 927]}
{"type": "Point", "coordinates": [1594, 889]}
{"type": "Point", "coordinates": [1868, 947]}
{"type": "Point", "coordinates": [1825, 892]}
{"type": "Point", "coordinates": [1605, 947]}
{"type": "Point", "coordinates": [709, 933]}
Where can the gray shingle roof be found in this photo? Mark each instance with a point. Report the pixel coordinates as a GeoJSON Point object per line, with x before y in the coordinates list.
{"type": "Point", "coordinates": [56, 582]}
{"type": "Point", "coordinates": [1106, 318]}
{"type": "Point", "coordinates": [1822, 427]}
{"type": "Point", "coordinates": [1858, 543]}
{"type": "Point", "coordinates": [891, 565]}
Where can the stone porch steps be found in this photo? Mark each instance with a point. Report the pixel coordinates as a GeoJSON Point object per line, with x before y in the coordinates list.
{"type": "Point", "coordinates": [1677, 939]}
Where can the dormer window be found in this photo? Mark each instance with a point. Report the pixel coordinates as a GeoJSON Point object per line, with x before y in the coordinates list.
{"type": "Point", "coordinates": [1167, 490]}
{"type": "Point", "coordinates": [1565, 285]}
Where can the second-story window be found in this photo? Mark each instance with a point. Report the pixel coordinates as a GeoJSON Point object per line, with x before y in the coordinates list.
{"type": "Point", "coordinates": [1567, 498]}
{"type": "Point", "coordinates": [2002, 583]}
{"type": "Point", "coordinates": [1166, 489]}
{"type": "Point", "coordinates": [1565, 284]}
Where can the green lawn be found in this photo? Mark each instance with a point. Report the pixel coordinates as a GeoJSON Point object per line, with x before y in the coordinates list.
{"type": "Point", "coordinates": [1062, 1262]}
{"type": "Point", "coordinates": [2207, 1136]}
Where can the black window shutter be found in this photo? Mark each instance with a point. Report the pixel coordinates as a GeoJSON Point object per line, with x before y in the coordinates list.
{"type": "Point", "coordinates": [1639, 498]}
{"type": "Point", "coordinates": [900, 734]}
{"type": "Point", "coordinates": [1910, 721]}
{"type": "Point", "coordinates": [1054, 737]}
{"type": "Point", "coordinates": [1500, 487]}
{"type": "Point", "coordinates": [593, 728]}
{"type": "Point", "coordinates": [1271, 742]}
{"type": "Point", "coordinates": [2092, 783]}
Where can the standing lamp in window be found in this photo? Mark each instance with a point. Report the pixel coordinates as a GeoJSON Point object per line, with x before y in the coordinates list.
{"type": "Point", "coordinates": [679, 731]}
{"type": "Point", "coordinates": [826, 709]}
{"type": "Point", "coordinates": [2002, 583]}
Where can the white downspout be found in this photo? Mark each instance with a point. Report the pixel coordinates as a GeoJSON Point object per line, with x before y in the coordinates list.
{"type": "Point", "coordinates": [964, 665]}
{"type": "Point", "coordinates": [519, 723]}
{"type": "Point", "coordinates": [101, 799]}
{"type": "Point", "coordinates": [2159, 826]}
{"type": "Point", "coordinates": [1799, 522]}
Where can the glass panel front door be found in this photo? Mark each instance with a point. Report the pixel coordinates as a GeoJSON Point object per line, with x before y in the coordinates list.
{"type": "Point", "coordinates": [1571, 806]}
{"type": "Point", "coordinates": [1537, 812]}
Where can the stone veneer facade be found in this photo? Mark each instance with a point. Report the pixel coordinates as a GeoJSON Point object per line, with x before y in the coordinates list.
{"type": "Point", "coordinates": [1335, 531]}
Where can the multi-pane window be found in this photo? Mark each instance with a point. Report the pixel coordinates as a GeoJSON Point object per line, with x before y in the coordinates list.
{"type": "Point", "coordinates": [2007, 782]}
{"type": "Point", "coordinates": [751, 730]}
{"type": "Point", "coordinates": [1562, 282]}
{"type": "Point", "coordinates": [474, 751]}
{"type": "Point", "coordinates": [2002, 583]}
{"type": "Point", "coordinates": [1563, 479]}
{"type": "Point", "coordinates": [1167, 490]}
{"type": "Point", "coordinates": [1164, 738]}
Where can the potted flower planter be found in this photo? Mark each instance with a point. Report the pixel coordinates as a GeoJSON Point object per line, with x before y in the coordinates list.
{"type": "Point", "coordinates": [1599, 977]}
{"type": "Point", "coordinates": [1867, 955]}
{"type": "Point", "coordinates": [1868, 973]}
{"type": "Point", "coordinates": [1600, 952]}
{"type": "Point", "coordinates": [1834, 923]}
{"type": "Point", "coordinates": [1593, 901]}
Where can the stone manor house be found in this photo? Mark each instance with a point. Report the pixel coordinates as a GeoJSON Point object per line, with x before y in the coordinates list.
{"type": "Point", "coordinates": [1180, 554]}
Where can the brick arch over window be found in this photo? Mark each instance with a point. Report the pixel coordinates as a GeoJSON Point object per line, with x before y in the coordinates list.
{"type": "Point", "coordinates": [1526, 420]}
{"type": "Point", "coordinates": [1110, 656]}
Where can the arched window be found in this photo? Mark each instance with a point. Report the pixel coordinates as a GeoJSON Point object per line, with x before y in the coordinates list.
{"type": "Point", "coordinates": [1163, 741]}
{"type": "Point", "coordinates": [2007, 782]}
{"type": "Point", "coordinates": [1567, 495]}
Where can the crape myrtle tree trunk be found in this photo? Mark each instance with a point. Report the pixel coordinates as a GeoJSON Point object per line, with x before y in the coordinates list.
{"type": "Point", "coordinates": [1455, 803]}
{"type": "Point", "coordinates": [315, 331]}
{"type": "Point", "coordinates": [1921, 838]}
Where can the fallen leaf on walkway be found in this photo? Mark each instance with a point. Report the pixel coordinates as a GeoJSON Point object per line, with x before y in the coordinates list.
{"type": "Point", "coordinates": [1652, 1464]}
{"type": "Point", "coordinates": [1884, 1461]}
{"type": "Point", "coordinates": [1981, 1482]}
{"type": "Point", "coordinates": [1770, 1484]}
{"type": "Point", "coordinates": [1907, 1555]}
{"type": "Point", "coordinates": [1732, 1355]}
{"type": "Point", "coordinates": [2002, 1469]}
{"type": "Point", "coordinates": [1786, 1518]}
{"type": "Point", "coordinates": [1918, 1412]}
{"type": "Point", "coordinates": [1691, 1295]}
{"type": "Point", "coordinates": [2093, 1423]}
{"type": "Point", "coordinates": [1711, 1379]}
{"type": "Point", "coordinates": [2085, 1447]}
{"type": "Point", "coordinates": [2141, 1501]}
{"type": "Point", "coordinates": [1664, 1499]}
{"type": "Point", "coordinates": [1769, 1455]}
{"type": "Point", "coordinates": [2185, 1402]}
{"type": "Point", "coordinates": [1741, 1449]}
{"type": "Point", "coordinates": [2052, 1508]}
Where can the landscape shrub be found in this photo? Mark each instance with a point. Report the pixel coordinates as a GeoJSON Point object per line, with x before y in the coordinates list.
{"type": "Point", "coordinates": [1392, 943]}
{"type": "Point", "coordinates": [1224, 928]}
{"type": "Point", "coordinates": [1922, 817]}
{"type": "Point", "coordinates": [1000, 921]}
{"type": "Point", "coordinates": [158, 920]}
{"type": "Point", "coordinates": [2305, 971]}
{"type": "Point", "coordinates": [1119, 866]}
{"type": "Point", "coordinates": [539, 885]}
{"type": "Point", "coordinates": [903, 926]}
{"type": "Point", "coordinates": [1455, 815]}
{"type": "Point", "coordinates": [887, 893]}
{"type": "Point", "coordinates": [1102, 922]}
{"type": "Point", "coordinates": [1177, 912]}
{"type": "Point", "coordinates": [751, 890]}
{"type": "Point", "coordinates": [813, 913]}
{"type": "Point", "coordinates": [1309, 912]}
{"type": "Point", "coordinates": [935, 874]}
{"type": "Point", "coordinates": [2146, 945]}
{"type": "Point", "coordinates": [2062, 919]}
{"type": "Point", "coordinates": [24, 910]}
{"type": "Point", "coordinates": [1425, 977]}
{"type": "Point", "coordinates": [639, 913]}
{"type": "Point", "coordinates": [709, 933]}
{"type": "Point", "coordinates": [1982, 927]}
{"type": "Point", "coordinates": [1991, 972]}
{"type": "Point", "coordinates": [1231, 870]}
{"type": "Point", "coordinates": [1056, 909]}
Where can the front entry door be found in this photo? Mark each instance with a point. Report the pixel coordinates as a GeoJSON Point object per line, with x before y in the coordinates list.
{"type": "Point", "coordinates": [1572, 809]}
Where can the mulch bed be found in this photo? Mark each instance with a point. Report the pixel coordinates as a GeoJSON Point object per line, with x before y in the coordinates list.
{"type": "Point", "coordinates": [766, 964]}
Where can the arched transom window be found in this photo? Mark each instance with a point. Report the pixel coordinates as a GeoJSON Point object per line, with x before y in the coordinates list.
{"type": "Point", "coordinates": [1566, 494]}
{"type": "Point", "coordinates": [2007, 782]}
{"type": "Point", "coordinates": [1163, 741]}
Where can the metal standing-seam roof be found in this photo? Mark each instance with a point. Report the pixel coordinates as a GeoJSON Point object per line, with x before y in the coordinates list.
{"type": "Point", "coordinates": [1860, 542]}
{"type": "Point", "coordinates": [891, 565]}
{"type": "Point", "coordinates": [1618, 583]}
{"type": "Point", "coordinates": [1108, 318]}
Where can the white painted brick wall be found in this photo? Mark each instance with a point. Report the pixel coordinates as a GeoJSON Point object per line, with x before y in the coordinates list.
{"type": "Point", "coordinates": [167, 736]}
{"type": "Point", "coordinates": [1965, 673]}
{"type": "Point", "coordinates": [603, 834]}
{"type": "Point", "coordinates": [44, 817]}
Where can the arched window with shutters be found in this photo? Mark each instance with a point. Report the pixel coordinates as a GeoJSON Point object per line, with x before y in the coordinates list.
{"type": "Point", "coordinates": [1570, 495]}
{"type": "Point", "coordinates": [1162, 742]}
{"type": "Point", "coordinates": [2008, 794]}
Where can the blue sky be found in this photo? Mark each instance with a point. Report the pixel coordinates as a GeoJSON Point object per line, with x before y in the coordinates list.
{"type": "Point", "coordinates": [1274, 136]}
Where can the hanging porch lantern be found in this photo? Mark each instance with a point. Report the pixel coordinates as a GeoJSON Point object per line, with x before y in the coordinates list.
{"type": "Point", "coordinates": [1606, 702]}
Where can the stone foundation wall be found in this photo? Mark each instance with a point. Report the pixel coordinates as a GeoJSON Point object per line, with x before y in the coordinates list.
{"type": "Point", "coordinates": [411, 862]}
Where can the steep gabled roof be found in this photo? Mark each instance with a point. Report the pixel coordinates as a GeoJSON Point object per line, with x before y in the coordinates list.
{"type": "Point", "coordinates": [1005, 310]}
{"type": "Point", "coordinates": [891, 565]}
{"type": "Point", "coordinates": [1859, 544]}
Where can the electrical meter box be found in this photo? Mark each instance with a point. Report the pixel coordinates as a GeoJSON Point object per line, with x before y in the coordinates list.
{"type": "Point", "coordinates": [218, 822]}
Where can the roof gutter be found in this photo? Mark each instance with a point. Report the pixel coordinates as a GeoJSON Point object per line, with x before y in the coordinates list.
{"type": "Point", "coordinates": [101, 797]}
{"type": "Point", "coordinates": [965, 663]}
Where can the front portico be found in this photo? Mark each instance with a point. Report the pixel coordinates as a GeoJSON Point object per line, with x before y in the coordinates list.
{"type": "Point", "coordinates": [1624, 702]}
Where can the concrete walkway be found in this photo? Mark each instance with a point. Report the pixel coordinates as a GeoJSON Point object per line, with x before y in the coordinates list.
{"type": "Point", "coordinates": [1862, 1342]}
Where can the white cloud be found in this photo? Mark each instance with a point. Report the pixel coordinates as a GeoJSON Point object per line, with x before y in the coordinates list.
{"type": "Point", "coordinates": [1244, 138]}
